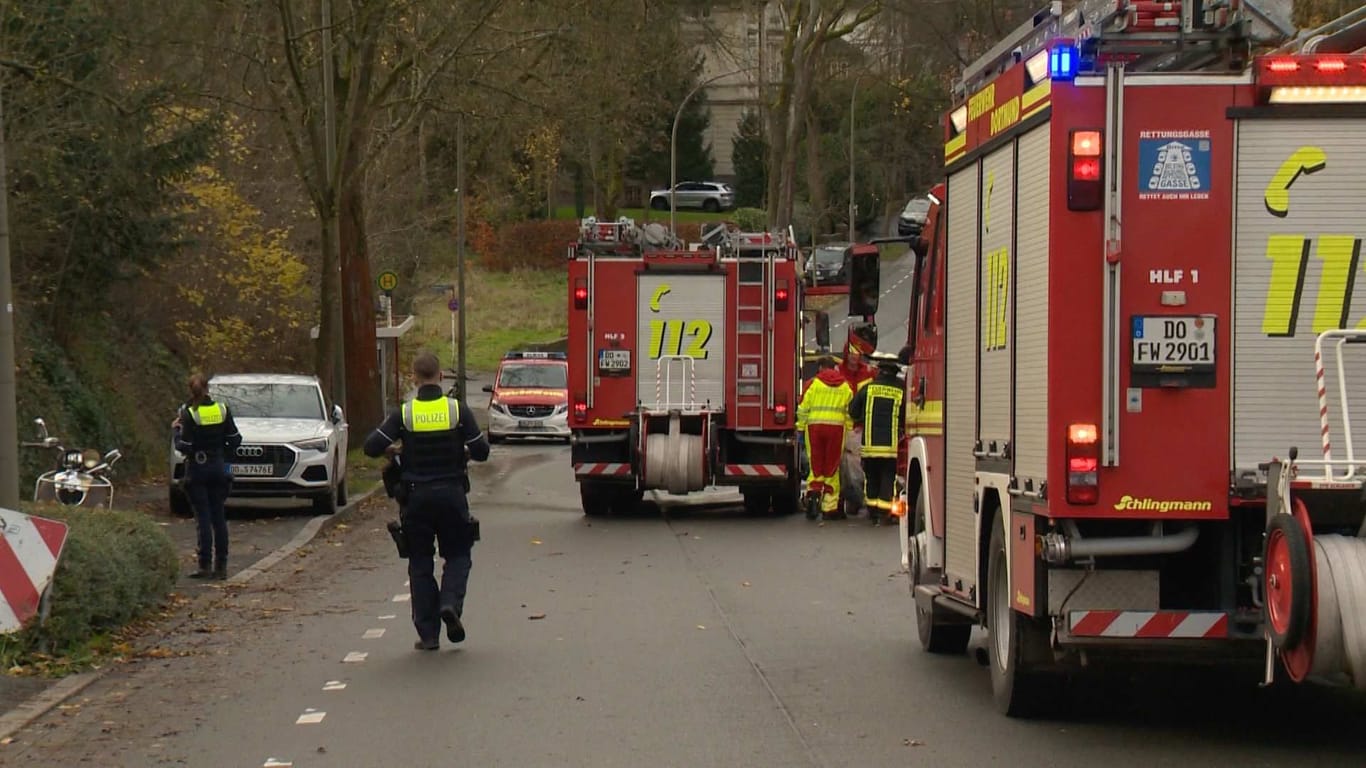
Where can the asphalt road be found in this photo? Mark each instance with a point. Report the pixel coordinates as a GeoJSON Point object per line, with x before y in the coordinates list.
{"type": "Point", "coordinates": [693, 637]}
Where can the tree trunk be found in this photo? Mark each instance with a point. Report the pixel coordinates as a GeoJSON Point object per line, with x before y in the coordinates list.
{"type": "Point", "coordinates": [327, 353]}
{"type": "Point", "coordinates": [363, 397]}
{"type": "Point", "coordinates": [815, 177]}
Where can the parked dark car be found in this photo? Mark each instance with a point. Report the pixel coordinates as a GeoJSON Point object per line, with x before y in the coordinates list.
{"type": "Point", "coordinates": [912, 218]}
{"type": "Point", "coordinates": [829, 264]}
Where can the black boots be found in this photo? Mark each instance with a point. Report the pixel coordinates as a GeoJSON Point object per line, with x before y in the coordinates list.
{"type": "Point", "coordinates": [455, 631]}
{"type": "Point", "coordinates": [219, 573]}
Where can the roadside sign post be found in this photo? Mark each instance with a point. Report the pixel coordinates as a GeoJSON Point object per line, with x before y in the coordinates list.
{"type": "Point", "coordinates": [30, 548]}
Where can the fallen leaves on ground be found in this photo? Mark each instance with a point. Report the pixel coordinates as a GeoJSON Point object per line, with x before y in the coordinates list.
{"type": "Point", "coordinates": [536, 616]}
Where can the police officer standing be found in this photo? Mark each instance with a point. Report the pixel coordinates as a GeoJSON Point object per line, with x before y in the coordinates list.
{"type": "Point", "coordinates": [204, 432]}
{"type": "Point", "coordinates": [438, 436]}
{"type": "Point", "coordinates": [879, 407]}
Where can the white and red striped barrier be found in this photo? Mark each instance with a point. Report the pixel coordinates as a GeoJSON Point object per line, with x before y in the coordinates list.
{"type": "Point", "coordinates": [1149, 624]}
{"type": "Point", "coordinates": [29, 549]}
{"type": "Point", "coordinates": [602, 468]}
{"type": "Point", "coordinates": [756, 470]}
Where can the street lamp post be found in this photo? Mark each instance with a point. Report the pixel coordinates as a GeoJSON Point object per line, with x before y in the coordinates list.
{"type": "Point", "coordinates": [673, 144]}
{"type": "Point", "coordinates": [853, 92]}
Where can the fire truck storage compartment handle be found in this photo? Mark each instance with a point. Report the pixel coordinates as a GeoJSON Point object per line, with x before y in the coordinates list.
{"type": "Point", "coordinates": [1060, 548]}
{"type": "Point", "coordinates": [616, 437]}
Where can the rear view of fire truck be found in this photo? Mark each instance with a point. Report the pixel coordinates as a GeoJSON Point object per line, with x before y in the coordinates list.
{"type": "Point", "coordinates": [1136, 304]}
{"type": "Point", "coordinates": [683, 365]}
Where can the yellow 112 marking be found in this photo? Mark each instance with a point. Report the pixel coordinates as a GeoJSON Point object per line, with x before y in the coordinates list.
{"type": "Point", "coordinates": [1289, 255]}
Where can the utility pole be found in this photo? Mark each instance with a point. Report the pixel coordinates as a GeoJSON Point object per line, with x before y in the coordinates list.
{"type": "Point", "coordinates": [9, 417]}
{"type": "Point", "coordinates": [460, 247]}
{"type": "Point", "coordinates": [337, 338]}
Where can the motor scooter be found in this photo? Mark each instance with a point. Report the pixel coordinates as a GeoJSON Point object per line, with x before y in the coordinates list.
{"type": "Point", "coordinates": [81, 478]}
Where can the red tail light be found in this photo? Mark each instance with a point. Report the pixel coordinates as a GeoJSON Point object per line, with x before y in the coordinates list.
{"type": "Point", "coordinates": [1085, 178]}
{"type": "Point", "coordinates": [780, 295]}
{"type": "Point", "coordinates": [1331, 65]}
{"type": "Point", "coordinates": [1083, 464]}
{"type": "Point", "coordinates": [580, 293]}
{"type": "Point", "coordinates": [580, 411]}
{"type": "Point", "coordinates": [780, 413]}
{"type": "Point", "coordinates": [1284, 65]}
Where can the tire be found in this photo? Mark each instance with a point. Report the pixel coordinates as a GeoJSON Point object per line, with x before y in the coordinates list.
{"type": "Point", "coordinates": [495, 439]}
{"type": "Point", "coordinates": [788, 499]}
{"type": "Point", "coordinates": [949, 638]}
{"type": "Point", "coordinates": [341, 493]}
{"type": "Point", "coordinates": [595, 501]}
{"type": "Point", "coordinates": [659, 204]}
{"type": "Point", "coordinates": [1286, 563]}
{"type": "Point", "coordinates": [711, 205]}
{"type": "Point", "coordinates": [626, 502]}
{"type": "Point", "coordinates": [180, 504]}
{"type": "Point", "coordinates": [1013, 642]}
{"type": "Point", "coordinates": [326, 503]}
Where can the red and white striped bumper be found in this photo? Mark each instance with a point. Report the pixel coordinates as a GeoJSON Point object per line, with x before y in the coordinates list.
{"type": "Point", "coordinates": [1198, 625]}
{"type": "Point", "coordinates": [756, 470]}
{"type": "Point", "coordinates": [599, 468]}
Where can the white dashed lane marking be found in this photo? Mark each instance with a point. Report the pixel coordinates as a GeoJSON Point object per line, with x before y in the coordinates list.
{"type": "Point", "coordinates": [373, 634]}
{"type": "Point", "coordinates": [310, 717]}
{"type": "Point", "coordinates": [402, 598]}
{"type": "Point", "coordinates": [355, 657]}
{"type": "Point", "coordinates": [275, 762]}
{"type": "Point", "coordinates": [334, 685]}
{"type": "Point", "coordinates": [387, 617]}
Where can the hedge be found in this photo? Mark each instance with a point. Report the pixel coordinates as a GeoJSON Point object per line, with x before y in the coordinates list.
{"type": "Point", "coordinates": [115, 567]}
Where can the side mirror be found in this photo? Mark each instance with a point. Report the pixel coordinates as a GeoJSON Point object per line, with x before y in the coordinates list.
{"type": "Point", "coordinates": [865, 273]}
{"type": "Point", "coordinates": [337, 414]}
{"type": "Point", "coordinates": [823, 330]}
{"type": "Point", "coordinates": [488, 388]}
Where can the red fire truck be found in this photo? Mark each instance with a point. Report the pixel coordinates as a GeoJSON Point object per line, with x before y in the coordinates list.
{"type": "Point", "coordinates": [1129, 321]}
{"type": "Point", "coordinates": [683, 365]}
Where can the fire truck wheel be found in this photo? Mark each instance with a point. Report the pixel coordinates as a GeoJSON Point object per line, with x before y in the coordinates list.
{"type": "Point", "coordinates": [936, 635]}
{"type": "Point", "coordinates": [595, 499]}
{"type": "Point", "coordinates": [626, 502]}
{"type": "Point", "coordinates": [1015, 643]}
{"type": "Point", "coordinates": [1287, 582]}
{"type": "Point", "coordinates": [788, 499]}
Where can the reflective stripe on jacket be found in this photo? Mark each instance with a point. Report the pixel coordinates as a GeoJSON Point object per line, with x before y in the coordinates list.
{"type": "Point", "coordinates": [824, 404]}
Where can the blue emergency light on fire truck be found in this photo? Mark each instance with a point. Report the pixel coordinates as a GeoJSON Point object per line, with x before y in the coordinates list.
{"type": "Point", "coordinates": [1140, 246]}
{"type": "Point", "coordinates": [683, 365]}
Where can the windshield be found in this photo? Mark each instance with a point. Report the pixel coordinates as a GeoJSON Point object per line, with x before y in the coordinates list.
{"type": "Point", "coordinates": [918, 207]}
{"type": "Point", "coordinates": [270, 401]}
{"type": "Point", "coordinates": [829, 255]}
{"type": "Point", "coordinates": [537, 376]}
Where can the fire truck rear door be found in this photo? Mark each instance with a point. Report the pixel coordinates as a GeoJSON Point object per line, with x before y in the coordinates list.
{"type": "Point", "coordinates": [681, 339]}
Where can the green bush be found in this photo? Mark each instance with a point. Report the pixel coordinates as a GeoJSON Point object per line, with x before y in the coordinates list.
{"type": "Point", "coordinates": [750, 219]}
{"type": "Point", "coordinates": [115, 567]}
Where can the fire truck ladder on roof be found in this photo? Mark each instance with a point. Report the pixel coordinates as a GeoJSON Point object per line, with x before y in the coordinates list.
{"type": "Point", "coordinates": [1147, 35]}
{"type": "Point", "coordinates": [755, 275]}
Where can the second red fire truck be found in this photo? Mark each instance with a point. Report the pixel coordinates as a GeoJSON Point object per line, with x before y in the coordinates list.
{"type": "Point", "coordinates": [1130, 395]}
{"type": "Point", "coordinates": [683, 365]}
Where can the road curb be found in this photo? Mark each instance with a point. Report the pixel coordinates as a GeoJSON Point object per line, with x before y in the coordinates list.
{"type": "Point", "coordinates": [44, 701]}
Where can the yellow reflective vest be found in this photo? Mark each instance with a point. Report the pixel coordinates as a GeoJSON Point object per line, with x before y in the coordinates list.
{"type": "Point", "coordinates": [824, 404]}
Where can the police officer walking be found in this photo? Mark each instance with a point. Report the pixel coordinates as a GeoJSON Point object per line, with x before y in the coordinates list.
{"type": "Point", "coordinates": [879, 407]}
{"type": "Point", "coordinates": [437, 436]}
{"type": "Point", "coordinates": [204, 432]}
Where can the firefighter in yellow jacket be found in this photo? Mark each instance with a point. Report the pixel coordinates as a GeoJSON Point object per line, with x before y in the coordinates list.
{"type": "Point", "coordinates": [822, 417]}
{"type": "Point", "coordinates": [879, 406]}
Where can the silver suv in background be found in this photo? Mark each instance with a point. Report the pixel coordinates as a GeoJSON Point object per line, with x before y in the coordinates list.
{"type": "Point", "coordinates": [292, 447]}
{"type": "Point", "coordinates": [708, 195]}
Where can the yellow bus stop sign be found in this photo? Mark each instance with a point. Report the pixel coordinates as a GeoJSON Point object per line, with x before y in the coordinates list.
{"type": "Point", "coordinates": [387, 281]}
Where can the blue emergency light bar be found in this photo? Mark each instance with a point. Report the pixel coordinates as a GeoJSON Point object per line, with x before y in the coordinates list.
{"type": "Point", "coordinates": [1062, 61]}
{"type": "Point", "coordinates": [535, 356]}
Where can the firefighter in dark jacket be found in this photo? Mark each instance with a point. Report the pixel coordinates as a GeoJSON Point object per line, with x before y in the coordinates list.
{"type": "Point", "coordinates": [437, 436]}
{"type": "Point", "coordinates": [206, 435]}
{"type": "Point", "coordinates": [880, 408]}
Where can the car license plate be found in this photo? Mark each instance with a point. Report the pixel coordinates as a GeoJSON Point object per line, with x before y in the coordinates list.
{"type": "Point", "coordinates": [253, 470]}
{"type": "Point", "coordinates": [1173, 344]}
{"type": "Point", "coordinates": [614, 359]}
{"type": "Point", "coordinates": [528, 424]}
